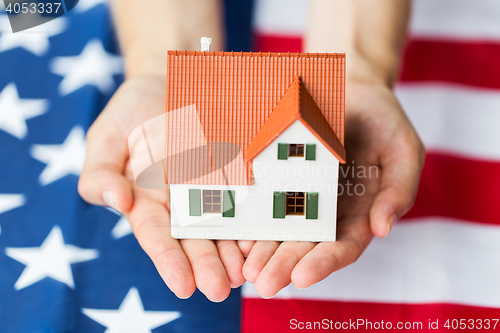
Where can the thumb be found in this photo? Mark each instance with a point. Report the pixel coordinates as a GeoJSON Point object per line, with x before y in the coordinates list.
{"type": "Point", "coordinates": [102, 181]}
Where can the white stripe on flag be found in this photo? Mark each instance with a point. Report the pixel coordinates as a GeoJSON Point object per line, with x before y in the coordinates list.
{"type": "Point", "coordinates": [435, 260]}
{"type": "Point", "coordinates": [451, 118]}
{"type": "Point", "coordinates": [456, 19]}
{"type": "Point", "coordinates": [280, 17]}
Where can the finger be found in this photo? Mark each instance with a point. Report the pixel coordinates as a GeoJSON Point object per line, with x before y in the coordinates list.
{"type": "Point", "coordinates": [209, 273]}
{"type": "Point", "coordinates": [102, 181]}
{"type": "Point", "coordinates": [151, 225]}
{"type": "Point", "coordinates": [233, 261]}
{"type": "Point", "coordinates": [401, 168]}
{"type": "Point", "coordinates": [245, 246]}
{"type": "Point", "coordinates": [258, 257]}
{"type": "Point", "coordinates": [354, 235]}
{"type": "Point", "coordinates": [276, 275]}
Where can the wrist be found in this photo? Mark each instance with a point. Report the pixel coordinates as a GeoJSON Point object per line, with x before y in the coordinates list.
{"type": "Point", "coordinates": [367, 70]}
{"type": "Point", "coordinates": [147, 32]}
{"type": "Point", "coordinates": [371, 33]}
{"type": "Point", "coordinates": [139, 63]}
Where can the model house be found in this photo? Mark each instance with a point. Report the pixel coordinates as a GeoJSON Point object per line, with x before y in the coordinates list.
{"type": "Point", "coordinates": [253, 144]}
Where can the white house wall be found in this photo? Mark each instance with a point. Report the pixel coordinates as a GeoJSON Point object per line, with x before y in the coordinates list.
{"type": "Point", "coordinates": [254, 204]}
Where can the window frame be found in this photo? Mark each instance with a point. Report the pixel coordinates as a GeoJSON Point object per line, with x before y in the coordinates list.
{"type": "Point", "coordinates": [296, 150]}
{"type": "Point", "coordinates": [295, 204]}
{"type": "Point", "coordinates": [211, 195]}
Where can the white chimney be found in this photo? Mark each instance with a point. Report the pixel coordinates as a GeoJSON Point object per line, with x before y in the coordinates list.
{"type": "Point", "coordinates": [205, 43]}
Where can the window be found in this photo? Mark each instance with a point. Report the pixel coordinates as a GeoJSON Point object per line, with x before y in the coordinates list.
{"type": "Point", "coordinates": [212, 201]}
{"type": "Point", "coordinates": [295, 203]}
{"type": "Point", "coordinates": [296, 150]}
{"type": "Point", "coordinates": [286, 150]}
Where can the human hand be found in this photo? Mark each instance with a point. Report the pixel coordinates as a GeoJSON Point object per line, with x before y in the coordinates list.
{"type": "Point", "coordinates": [106, 179]}
{"type": "Point", "coordinates": [378, 134]}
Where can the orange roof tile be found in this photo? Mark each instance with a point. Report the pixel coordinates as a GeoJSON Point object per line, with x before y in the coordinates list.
{"type": "Point", "coordinates": [235, 93]}
{"type": "Point", "coordinates": [296, 104]}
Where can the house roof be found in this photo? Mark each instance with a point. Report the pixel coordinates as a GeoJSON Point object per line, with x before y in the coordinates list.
{"type": "Point", "coordinates": [296, 104]}
{"type": "Point", "coordinates": [234, 94]}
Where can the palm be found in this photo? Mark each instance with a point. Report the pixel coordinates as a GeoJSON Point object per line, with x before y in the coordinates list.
{"type": "Point", "coordinates": [213, 267]}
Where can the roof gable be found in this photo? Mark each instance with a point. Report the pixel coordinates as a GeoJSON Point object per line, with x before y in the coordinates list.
{"type": "Point", "coordinates": [296, 104]}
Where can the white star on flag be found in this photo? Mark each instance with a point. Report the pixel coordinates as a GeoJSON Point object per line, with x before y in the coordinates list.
{"type": "Point", "coordinates": [64, 159]}
{"type": "Point", "coordinates": [131, 317]}
{"type": "Point", "coordinates": [122, 228]}
{"type": "Point", "coordinates": [84, 5]}
{"type": "Point", "coordinates": [34, 40]}
{"type": "Point", "coordinates": [52, 259]}
{"type": "Point", "coordinates": [14, 111]}
{"type": "Point", "coordinates": [93, 66]}
{"type": "Point", "coordinates": [11, 201]}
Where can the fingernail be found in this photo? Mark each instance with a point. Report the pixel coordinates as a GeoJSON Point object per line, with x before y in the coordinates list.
{"type": "Point", "coordinates": [390, 223]}
{"type": "Point", "coordinates": [110, 200]}
{"type": "Point", "coordinates": [182, 297]}
{"type": "Point", "coordinates": [268, 297]}
{"type": "Point", "coordinates": [300, 287]}
{"type": "Point", "coordinates": [211, 300]}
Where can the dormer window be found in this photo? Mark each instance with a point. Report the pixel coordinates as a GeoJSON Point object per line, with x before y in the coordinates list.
{"type": "Point", "coordinates": [286, 150]}
{"type": "Point", "coordinates": [296, 150]}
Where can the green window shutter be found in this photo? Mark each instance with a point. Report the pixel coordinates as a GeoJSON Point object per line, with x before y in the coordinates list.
{"type": "Point", "coordinates": [194, 202]}
{"type": "Point", "coordinates": [310, 152]}
{"type": "Point", "coordinates": [282, 151]}
{"type": "Point", "coordinates": [312, 206]}
{"type": "Point", "coordinates": [279, 205]}
{"type": "Point", "coordinates": [228, 204]}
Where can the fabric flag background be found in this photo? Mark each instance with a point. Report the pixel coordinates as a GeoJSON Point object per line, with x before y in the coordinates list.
{"type": "Point", "coordinates": [442, 260]}
{"type": "Point", "coordinates": [66, 266]}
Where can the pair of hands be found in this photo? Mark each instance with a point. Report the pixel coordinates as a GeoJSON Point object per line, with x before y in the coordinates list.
{"type": "Point", "coordinates": [377, 134]}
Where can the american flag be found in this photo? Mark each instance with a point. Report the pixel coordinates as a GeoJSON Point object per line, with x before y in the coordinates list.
{"type": "Point", "coordinates": [67, 266]}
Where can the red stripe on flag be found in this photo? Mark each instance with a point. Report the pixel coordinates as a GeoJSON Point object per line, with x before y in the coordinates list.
{"type": "Point", "coordinates": [460, 188]}
{"type": "Point", "coordinates": [471, 63]}
{"type": "Point", "coordinates": [276, 43]}
{"type": "Point", "coordinates": [275, 315]}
